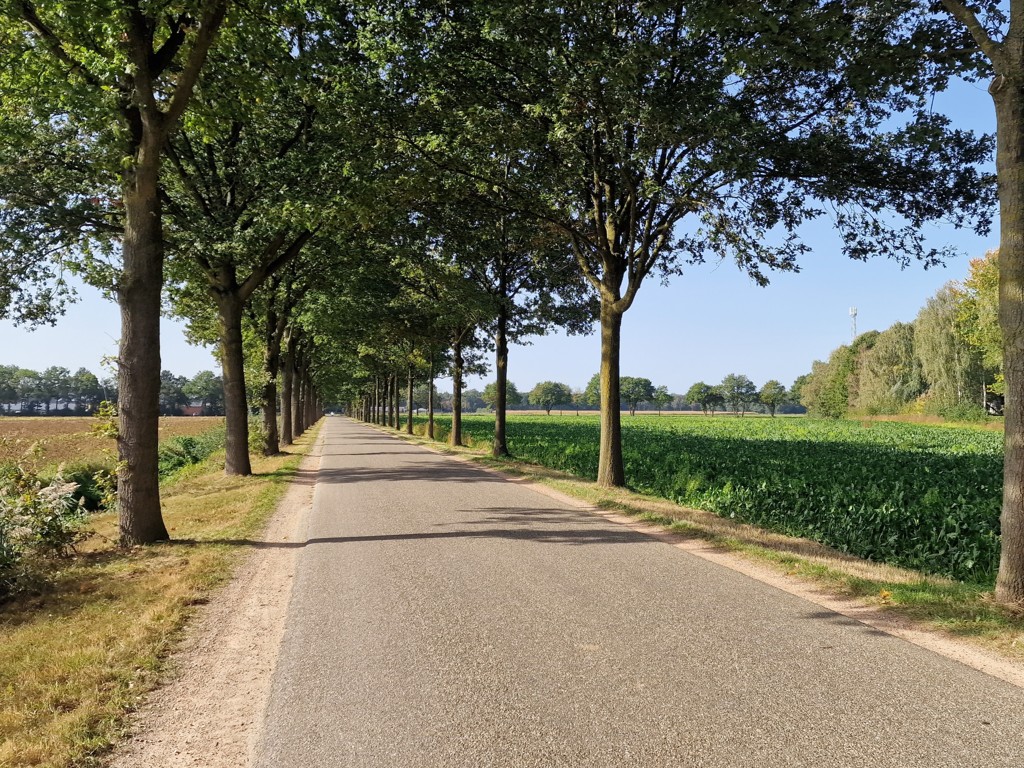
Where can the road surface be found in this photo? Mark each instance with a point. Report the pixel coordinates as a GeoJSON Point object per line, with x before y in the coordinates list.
{"type": "Point", "coordinates": [444, 616]}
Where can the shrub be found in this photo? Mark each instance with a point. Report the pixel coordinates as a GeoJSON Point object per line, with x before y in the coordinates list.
{"type": "Point", "coordinates": [181, 452]}
{"type": "Point", "coordinates": [257, 434]}
{"type": "Point", "coordinates": [38, 519]}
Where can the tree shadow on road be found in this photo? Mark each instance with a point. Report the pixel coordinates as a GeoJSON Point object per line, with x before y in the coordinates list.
{"type": "Point", "coordinates": [571, 532]}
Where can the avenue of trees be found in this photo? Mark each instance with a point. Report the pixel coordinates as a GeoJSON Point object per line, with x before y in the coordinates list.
{"type": "Point", "coordinates": [350, 201]}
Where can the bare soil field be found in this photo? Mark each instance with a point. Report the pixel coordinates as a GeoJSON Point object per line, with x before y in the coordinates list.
{"type": "Point", "coordinates": [58, 439]}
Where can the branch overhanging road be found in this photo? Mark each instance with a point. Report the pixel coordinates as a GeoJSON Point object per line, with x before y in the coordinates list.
{"type": "Point", "coordinates": [443, 616]}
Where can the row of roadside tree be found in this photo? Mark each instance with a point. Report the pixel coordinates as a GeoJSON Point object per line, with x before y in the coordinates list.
{"type": "Point", "coordinates": [529, 166]}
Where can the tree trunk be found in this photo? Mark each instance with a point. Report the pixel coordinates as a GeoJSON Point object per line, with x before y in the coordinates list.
{"type": "Point", "coordinates": [236, 410]}
{"type": "Point", "coordinates": [408, 411]}
{"type": "Point", "coordinates": [430, 399]}
{"type": "Point", "coordinates": [287, 382]}
{"type": "Point", "coordinates": [375, 405]}
{"type": "Point", "coordinates": [610, 471]}
{"type": "Point", "coordinates": [311, 397]}
{"type": "Point", "coordinates": [457, 363]}
{"type": "Point", "coordinates": [271, 366]}
{"type": "Point", "coordinates": [500, 447]}
{"type": "Point", "coordinates": [298, 398]}
{"type": "Point", "coordinates": [138, 370]}
{"type": "Point", "coordinates": [271, 438]}
{"type": "Point", "coordinates": [397, 408]}
{"type": "Point", "coordinates": [1009, 101]}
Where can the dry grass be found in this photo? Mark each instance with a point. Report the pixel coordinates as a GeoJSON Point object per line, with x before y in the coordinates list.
{"type": "Point", "coordinates": [966, 611]}
{"type": "Point", "coordinates": [77, 655]}
{"type": "Point", "coordinates": [49, 441]}
{"type": "Point", "coordinates": [993, 423]}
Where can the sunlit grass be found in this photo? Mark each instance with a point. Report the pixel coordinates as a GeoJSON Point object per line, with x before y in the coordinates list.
{"type": "Point", "coordinates": [76, 656]}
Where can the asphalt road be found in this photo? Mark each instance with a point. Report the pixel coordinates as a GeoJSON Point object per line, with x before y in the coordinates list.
{"type": "Point", "coordinates": [442, 616]}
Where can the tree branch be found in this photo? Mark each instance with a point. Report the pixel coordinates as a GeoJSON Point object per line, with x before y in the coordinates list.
{"type": "Point", "coordinates": [160, 60]}
{"type": "Point", "coordinates": [54, 44]}
{"type": "Point", "coordinates": [969, 19]}
{"type": "Point", "coordinates": [270, 265]}
{"type": "Point", "coordinates": [185, 85]}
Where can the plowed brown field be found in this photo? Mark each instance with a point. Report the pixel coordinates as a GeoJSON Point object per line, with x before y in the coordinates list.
{"type": "Point", "coordinates": [60, 439]}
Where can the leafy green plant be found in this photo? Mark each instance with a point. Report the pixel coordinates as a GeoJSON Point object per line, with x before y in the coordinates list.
{"type": "Point", "coordinates": [38, 518]}
{"type": "Point", "coordinates": [916, 496]}
{"type": "Point", "coordinates": [185, 451]}
{"type": "Point", "coordinates": [257, 435]}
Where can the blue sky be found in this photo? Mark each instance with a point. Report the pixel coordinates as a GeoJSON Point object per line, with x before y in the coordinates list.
{"type": "Point", "coordinates": [708, 322]}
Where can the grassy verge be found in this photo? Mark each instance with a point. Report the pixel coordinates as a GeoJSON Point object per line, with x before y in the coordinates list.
{"type": "Point", "coordinates": [77, 656]}
{"type": "Point", "coordinates": [963, 610]}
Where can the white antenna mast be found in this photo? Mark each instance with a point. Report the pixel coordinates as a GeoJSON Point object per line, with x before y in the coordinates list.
{"type": "Point", "coordinates": [853, 321]}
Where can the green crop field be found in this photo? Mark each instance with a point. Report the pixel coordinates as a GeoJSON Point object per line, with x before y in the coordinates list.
{"type": "Point", "coordinates": [917, 496]}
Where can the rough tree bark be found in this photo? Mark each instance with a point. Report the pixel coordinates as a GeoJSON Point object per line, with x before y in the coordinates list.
{"type": "Point", "coordinates": [287, 381]}
{"type": "Point", "coordinates": [236, 411]}
{"type": "Point", "coordinates": [274, 328]}
{"type": "Point", "coordinates": [610, 470]}
{"type": "Point", "coordinates": [457, 365]}
{"type": "Point", "coordinates": [430, 399]}
{"type": "Point", "coordinates": [408, 410]}
{"type": "Point", "coordinates": [297, 395]}
{"type": "Point", "coordinates": [1008, 95]}
{"type": "Point", "coordinates": [308, 418]}
{"type": "Point", "coordinates": [138, 370]}
{"type": "Point", "coordinates": [500, 446]}
{"type": "Point", "coordinates": [1007, 91]}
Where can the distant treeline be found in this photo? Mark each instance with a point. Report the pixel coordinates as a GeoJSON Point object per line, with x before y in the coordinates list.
{"type": "Point", "coordinates": [59, 392]}
{"type": "Point", "coordinates": [948, 362]}
{"type": "Point", "coordinates": [736, 393]}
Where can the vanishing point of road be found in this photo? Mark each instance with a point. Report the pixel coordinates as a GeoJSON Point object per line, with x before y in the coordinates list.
{"type": "Point", "coordinates": [445, 616]}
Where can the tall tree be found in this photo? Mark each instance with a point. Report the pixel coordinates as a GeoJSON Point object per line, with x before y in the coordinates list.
{"type": "Point", "coordinates": [978, 317]}
{"type": "Point", "coordinates": [86, 390]}
{"type": "Point", "coordinates": [172, 393]}
{"type": "Point", "coordinates": [951, 366]}
{"type": "Point", "coordinates": [772, 395]}
{"type": "Point", "coordinates": [706, 396]}
{"type": "Point", "coordinates": [208, 388]}
{"type": "Point", "coordinates": [548, 394]}
{"type": "Point", "coordinates": [662, 397]}
{"type": "Point", "coordinates": [890, 377]}
{"type": "Point", "coordinates": [739, 119]}
{"type": "Point", "coordinates": [109, 89]}
{"type": "Point", "coordinates": [738, 391]}
{"type": "Point", "coordinates": [512, 395]}
{"type": "Point", "coordinates": [528, 277]}
{"type": "Point", "coordinates": [1000, 38]}
{"type": "Point", "coordinates": [258, 172]}
{"type": "Point", "coordinates": [8, 385]}
{"type": "Point", "coordinates": [634, 391]}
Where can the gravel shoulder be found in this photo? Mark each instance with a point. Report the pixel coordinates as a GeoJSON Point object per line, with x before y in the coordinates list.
{"type": "Point", "coordinates": [209, 710]}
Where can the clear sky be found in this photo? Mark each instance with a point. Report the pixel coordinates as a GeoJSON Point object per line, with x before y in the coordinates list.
{"type": "Point", "coordinates": [707, 323]}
